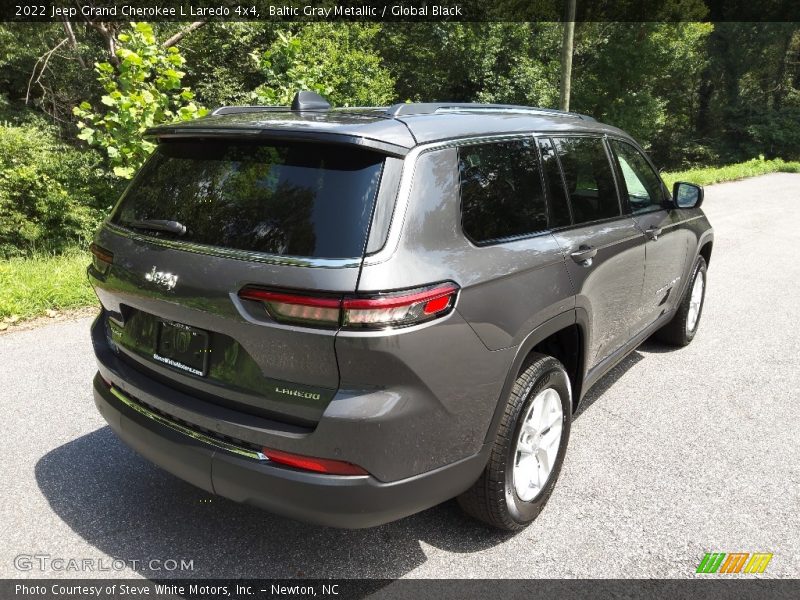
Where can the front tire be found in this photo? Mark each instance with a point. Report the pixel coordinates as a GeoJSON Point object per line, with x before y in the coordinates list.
{"type": "Point", "coordinates": [680, 331]}
{"type": "Point", "coordinates": [526, 458]}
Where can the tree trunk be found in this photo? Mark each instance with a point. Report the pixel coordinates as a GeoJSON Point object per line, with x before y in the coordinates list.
{"type": "Point", "coordinates": [73, 43]}
{"type": "Point", "coordinates": [179, 36]}
{"type": "Point", "coordinates": [566, 55]}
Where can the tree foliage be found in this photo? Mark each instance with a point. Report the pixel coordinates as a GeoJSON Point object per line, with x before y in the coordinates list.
{"type": "Point", "coordinates": [482, 62]}
{"type": "Point", "coordinates": [52, 196]}
{"type": "Point", "coordinates": [338, 62]}
{"type": "Point", "coordinates": [143, 90]}
{"type": "Point", "coordinates": [695, 94]}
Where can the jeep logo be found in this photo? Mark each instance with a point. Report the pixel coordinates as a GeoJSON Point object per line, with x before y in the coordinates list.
{"type": "Point", "coordinates": [167, 280]}
{"type": "Point", "coordinates": [298, 393]}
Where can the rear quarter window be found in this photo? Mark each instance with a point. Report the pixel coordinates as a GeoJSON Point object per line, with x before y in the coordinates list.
{"type": "Point", "coordinates": [296, 199]}
{"type": "Point", "coordinates": [501, 191]}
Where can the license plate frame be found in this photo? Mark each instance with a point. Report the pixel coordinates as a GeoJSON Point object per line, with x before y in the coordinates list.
{"type": "Point", "coordinates": [182, 347]}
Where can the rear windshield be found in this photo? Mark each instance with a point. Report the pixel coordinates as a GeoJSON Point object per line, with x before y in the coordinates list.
{"type": "Point", "coordinates": [280, 198]}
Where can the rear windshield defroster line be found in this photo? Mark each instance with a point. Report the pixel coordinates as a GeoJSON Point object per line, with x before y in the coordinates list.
{"type": "Point", "coordinates": [280, 198]}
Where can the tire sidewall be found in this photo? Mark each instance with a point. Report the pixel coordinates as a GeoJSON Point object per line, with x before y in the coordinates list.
{"type": "Point", "coordinates": [553, 376]}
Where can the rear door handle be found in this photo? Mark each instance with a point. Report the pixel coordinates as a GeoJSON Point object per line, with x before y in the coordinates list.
{"type": "Point", "coordinates": [584, 255]}
{"type": "Point", "coordinates": [653, 232]}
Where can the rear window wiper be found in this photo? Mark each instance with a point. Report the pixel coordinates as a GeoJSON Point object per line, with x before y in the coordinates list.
{"type": "Point", "coordinates": [160, 225]}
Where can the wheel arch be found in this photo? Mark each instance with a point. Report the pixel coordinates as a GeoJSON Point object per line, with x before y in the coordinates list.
{"type": "Point", "coordinates": [705, 250]}
{"type": "Point", "coordinates": [562, 337]}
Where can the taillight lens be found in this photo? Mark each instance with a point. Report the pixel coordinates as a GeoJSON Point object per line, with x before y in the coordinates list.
{"type": "Point", "coordinates": [101, 258]}
{"type": "Point", "coordinates": [296, 308]}
{"type": "Point", "coordinates": [310, 463]}
{"type": "Point", "coordinates": [394, 309]}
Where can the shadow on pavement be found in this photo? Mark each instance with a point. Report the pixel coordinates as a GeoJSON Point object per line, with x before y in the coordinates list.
{"type": "Point", "coordinates": [608, 380]}
{"type": "Point", "coordinates": [132, 510]}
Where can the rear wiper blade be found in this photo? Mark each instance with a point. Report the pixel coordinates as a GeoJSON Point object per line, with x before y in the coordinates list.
{"type": "Point", "coordinates": [160, 225]}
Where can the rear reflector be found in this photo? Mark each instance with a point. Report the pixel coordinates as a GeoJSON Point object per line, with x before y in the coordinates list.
{"type": "Point", "coordinates": [296, 308]}
{"type": "Point", "coordinates": [102, 257]}
{"type": "Point", "coordinates": [379, 311]}
{"type": "Point", "coordinates": [309, 463]}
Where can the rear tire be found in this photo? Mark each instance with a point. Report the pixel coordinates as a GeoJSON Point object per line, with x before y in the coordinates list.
{"type": "Point", "coordinates": [528, 452]}
{"type": "Point", "coordinates": [680, 331]}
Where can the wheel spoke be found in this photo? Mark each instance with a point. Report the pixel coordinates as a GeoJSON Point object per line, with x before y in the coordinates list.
{"type": "Point", "coordinates": [535, 418]}
{"type": "Point", "coordinates": [556, 418]}
{"type": "Point", "coordinates": [525, 448]}
{"type": "Point", "coordinates": [537, 444]}
{"type": "Point", "coordinates": [550, 438]}
{"type": "Point", "coordinates": [544, 461]}
{"type": "Point", "coordinates": [553, 402]}
{"type": "Point", "coordinates": [695, 302]}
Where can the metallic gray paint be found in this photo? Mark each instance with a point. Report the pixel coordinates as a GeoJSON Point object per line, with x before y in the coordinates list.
{"type": "Point", "coordinates": [609, 289]}
{"type": "Point", "coordinates": [403, 402]}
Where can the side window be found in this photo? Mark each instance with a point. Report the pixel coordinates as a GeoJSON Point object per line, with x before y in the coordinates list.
{"type": "Point", "coordinates": [642, 182]}
{"type": "Point", "coordinates": [501, 191]}
{"type": "Point", "coordinates": [590, 183]}
{"type": "Point", "coordinates": [559, 205]}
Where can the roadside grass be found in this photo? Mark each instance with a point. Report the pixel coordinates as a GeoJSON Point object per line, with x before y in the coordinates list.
{"type": "Point", "coordinates": [751, 168]}
{"type": "Point", "coordinates": [31, 286]}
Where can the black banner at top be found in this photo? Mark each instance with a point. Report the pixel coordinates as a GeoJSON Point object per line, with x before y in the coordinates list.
{"type": "Point", "coordinates": [398, 10]}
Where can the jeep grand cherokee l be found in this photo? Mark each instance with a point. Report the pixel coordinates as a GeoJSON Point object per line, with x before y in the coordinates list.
{"type": "Point", "coordinates": [349, 315]}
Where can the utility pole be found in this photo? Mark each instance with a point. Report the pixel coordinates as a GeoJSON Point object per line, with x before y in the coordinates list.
{"type": "Point", "coordinates": [566, 55]}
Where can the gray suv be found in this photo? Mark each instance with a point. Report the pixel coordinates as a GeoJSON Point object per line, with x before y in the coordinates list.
{"type": "Point", "coordinates": [346, 316]}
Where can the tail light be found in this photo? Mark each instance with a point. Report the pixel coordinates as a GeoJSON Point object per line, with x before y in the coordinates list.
{"type": "Point", "coordinates": [378, 311]}
{"type": "Point", "coordinates": [396, 310]}
{"type": "Point", "coordinates": [310, 463]}
{"type": "Point", "coordinates": [101, 257]}
{"type": "Point", "coordinates": [295, 308]}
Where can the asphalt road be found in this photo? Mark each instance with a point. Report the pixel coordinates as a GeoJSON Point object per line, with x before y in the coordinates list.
{"type": "Point", "coordinates": [676, 453]}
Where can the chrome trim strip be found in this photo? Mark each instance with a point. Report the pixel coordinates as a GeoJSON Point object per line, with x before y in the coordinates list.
{"type": "Point", "coordinates": [196, 435]}
{"type": "Point", "coordinates": [247, 255]}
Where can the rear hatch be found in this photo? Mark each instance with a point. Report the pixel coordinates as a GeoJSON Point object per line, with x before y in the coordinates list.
{"type": "Point", "coordinates": [206, 218]}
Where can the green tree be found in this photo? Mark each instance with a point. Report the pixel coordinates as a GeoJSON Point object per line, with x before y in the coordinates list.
{"type": "Point", "coordinates": [474, 62]}
{"type": "Point", "coordinates": [222, 72]}
{"type": "Point", "coordinates": [52, 196]}
{"type": "Point", "coordinates": [143, 90]}
{"type": "Point", "coordinates": [750, 96]}
{"type": "Point", "coordinates": [641, 77]}
{"type": "Point", "coordinates": [339, 62]}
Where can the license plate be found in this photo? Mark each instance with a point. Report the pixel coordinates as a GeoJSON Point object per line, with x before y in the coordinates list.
{"type": "Point", "coordinates": [182, 347]}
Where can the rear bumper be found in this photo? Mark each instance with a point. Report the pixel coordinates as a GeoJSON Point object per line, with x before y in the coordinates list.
{"type": "Point", "coordinates": [337, 501]}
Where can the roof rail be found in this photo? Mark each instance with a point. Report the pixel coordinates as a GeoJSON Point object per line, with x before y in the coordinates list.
{"type": "Point", "coordinates": [230, 110]}
{"type": "Point", "coordinates": [303, 100]}
{"type": "Point", "coordinates": [430, 108]}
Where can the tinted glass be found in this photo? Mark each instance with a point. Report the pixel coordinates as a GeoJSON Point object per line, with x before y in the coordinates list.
{"type": "Point", "coordinates": [590, 183]}
{"type": "Point", "coordinates": [559, 205]}
{"type": "Point", "coordinates": [642, 183]}
{"type": "Point", "coordinates": [287, 199]}
{"type": "Point", "coordinates": [501, 192]}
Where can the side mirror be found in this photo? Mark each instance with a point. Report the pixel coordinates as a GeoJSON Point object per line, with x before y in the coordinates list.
{"type": "Point", "coordinates": [687, 195]}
